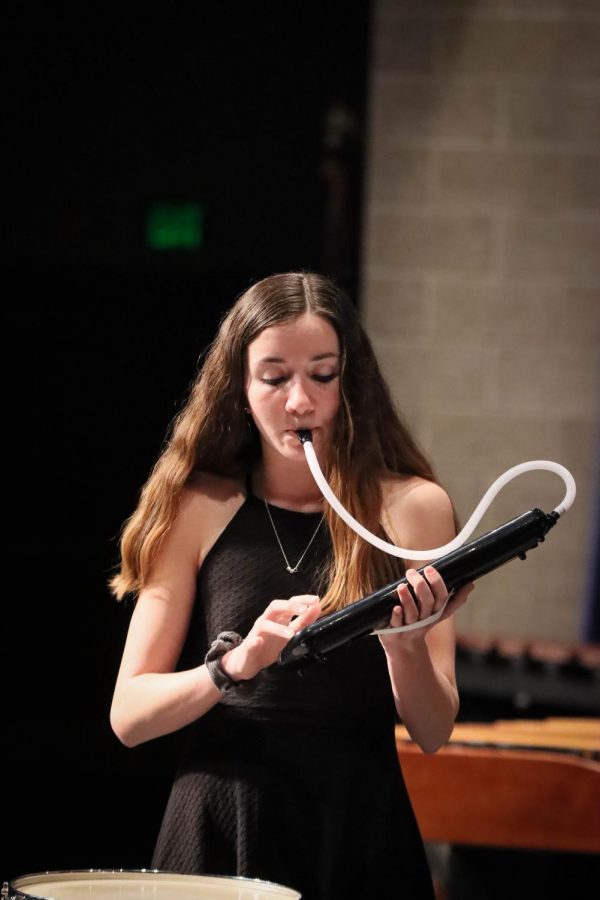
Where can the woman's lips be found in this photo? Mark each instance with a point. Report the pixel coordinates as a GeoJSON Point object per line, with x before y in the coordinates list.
{"type": "Point", "coordinates": [294, 431]}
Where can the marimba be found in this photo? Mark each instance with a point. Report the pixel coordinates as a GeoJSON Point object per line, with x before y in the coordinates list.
{"type": "Point", "coordinates": [531, 784]}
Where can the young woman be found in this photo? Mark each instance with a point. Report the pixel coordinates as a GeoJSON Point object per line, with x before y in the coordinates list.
{"type": "Point", "coordinates": [286, 777]}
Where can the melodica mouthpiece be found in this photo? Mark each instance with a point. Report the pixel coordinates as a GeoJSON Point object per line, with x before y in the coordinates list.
{"type": "Point", "coordinates": [304, 435]}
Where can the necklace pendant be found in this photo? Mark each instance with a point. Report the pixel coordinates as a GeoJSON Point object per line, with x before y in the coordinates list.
{"type": "Point", "coordinates": [292, 569]}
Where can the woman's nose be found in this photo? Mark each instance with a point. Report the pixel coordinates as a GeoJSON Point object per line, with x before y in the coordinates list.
{"type": "Point", "coordinates": [298, 400]}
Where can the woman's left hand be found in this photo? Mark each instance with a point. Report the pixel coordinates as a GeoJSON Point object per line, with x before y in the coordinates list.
{"type": "Point", "coordinates": [429, 594]}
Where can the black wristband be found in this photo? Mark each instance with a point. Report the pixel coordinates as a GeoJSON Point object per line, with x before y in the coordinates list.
{"type": "Point", "coordinates": [224, 642]}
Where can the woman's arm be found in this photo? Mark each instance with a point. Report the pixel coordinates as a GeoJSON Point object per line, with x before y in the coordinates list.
{"type": "Point", "coordinates": [152, 699]}
{"type": "Point", "coordinates": [421, 662]}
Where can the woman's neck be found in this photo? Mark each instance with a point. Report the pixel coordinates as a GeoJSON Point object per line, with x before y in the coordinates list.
{"type": "Point", "coordinates": [288, 484]}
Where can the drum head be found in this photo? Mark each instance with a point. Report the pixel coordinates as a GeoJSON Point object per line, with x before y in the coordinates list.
{"type": "Point", "coordinates": [143, 885]}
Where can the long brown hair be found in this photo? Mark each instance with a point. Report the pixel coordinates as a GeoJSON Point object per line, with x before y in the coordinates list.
{"type": "Point", "coordinates": [211, 434]}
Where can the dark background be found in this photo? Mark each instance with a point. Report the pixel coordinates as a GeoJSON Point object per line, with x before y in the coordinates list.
{"type": "Point", "coordinates": [228, 106]}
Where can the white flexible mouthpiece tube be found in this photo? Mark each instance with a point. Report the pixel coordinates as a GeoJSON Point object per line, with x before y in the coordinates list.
{"type": "Point", "coordinates": [459, 540]}
{"type": "Point", "coordinates": [435, 552]}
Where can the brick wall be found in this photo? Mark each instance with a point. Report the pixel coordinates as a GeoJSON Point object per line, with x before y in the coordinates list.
{"type": "Point", "coordinates": [482, 269]}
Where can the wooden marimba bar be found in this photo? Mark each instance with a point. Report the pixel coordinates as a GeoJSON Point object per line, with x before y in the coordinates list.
{"type": "Point", "coordinates": [522, 784]}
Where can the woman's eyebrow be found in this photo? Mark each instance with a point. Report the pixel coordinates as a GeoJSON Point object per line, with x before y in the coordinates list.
{"type": "Point", "coordinates": [316, 358]}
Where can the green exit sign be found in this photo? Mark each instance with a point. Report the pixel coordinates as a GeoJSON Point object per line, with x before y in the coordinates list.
{"type": "Point", "coordinates": [175, 226]}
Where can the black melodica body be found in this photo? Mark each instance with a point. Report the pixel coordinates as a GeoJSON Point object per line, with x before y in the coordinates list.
{"type": "Point", "coordinates": [471, 561]}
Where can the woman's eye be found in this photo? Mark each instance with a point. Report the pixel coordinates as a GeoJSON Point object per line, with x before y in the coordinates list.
{"type": "Point", "coordinates": [325, 378]}
{"type": "Point", "coordinates": [280, 379]}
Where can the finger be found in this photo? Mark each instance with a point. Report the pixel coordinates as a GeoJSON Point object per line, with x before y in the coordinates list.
{"type": "Point", "coordinates": [397, 617]}
{"type": "Point", "coordinates": [396, 621]}
{"type": "Point", "coordinates": [277, 610]}
{"type": "Point", "coordinates": [437, 586]}
{"type": "Point", "coordinates": [283, 611]}
{"type": "Point", "coordinates": [304, 602]}
{"type": "Point", "coordinates": [457, 600]}
{"type": "Point", "coordinates": [464, 593]}
{"type": "Point", "coordinates": [423, 595]}
{"type": "Point", "coordinates": [409, 607]}
{"type": "Point", "coordinates": [306, 599]}
{"type": "Point", "coordinates": [310, 615]}
{"type": "Point", "coordinates": [268, 628]}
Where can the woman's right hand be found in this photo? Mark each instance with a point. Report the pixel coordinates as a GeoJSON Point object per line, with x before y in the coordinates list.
{"type": "Point", "coordinates": [281, 620]}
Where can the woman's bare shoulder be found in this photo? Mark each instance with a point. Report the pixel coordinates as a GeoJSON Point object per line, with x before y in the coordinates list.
{"type": "Point", "coordinates": [206, 505]}
{"type": "Point", "coordinates": [205, 486]}
{"type": "Point", "coordinates": [414, 509]}
{"type": "Point", "coordinates": [209, 502]}
{"type": "Point", "coordinates": [410, 493]}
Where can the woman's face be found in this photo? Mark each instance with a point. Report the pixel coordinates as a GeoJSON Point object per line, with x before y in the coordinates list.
{"type": "Point", "coordinates": [292, 382]}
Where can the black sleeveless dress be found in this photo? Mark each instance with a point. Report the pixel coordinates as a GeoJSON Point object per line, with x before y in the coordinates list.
{"type": "Point", "coordinates": [296, 780]}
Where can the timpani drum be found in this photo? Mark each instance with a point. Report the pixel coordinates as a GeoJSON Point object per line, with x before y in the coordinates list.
{"type": "Point", "coordinates": [98, 884]}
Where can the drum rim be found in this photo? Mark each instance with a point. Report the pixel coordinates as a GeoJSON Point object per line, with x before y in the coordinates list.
{"type": "Point", "coordinates": [61, 872]}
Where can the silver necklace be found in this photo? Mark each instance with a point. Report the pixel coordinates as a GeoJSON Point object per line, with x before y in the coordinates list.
{"type": "Point", "coordinates": [292, 569]}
